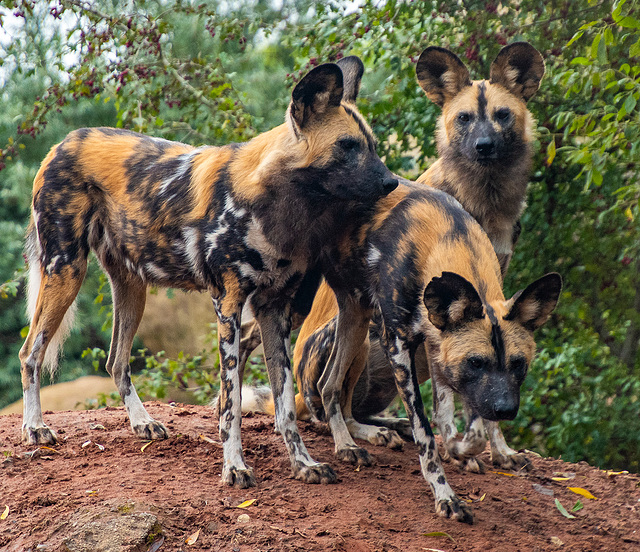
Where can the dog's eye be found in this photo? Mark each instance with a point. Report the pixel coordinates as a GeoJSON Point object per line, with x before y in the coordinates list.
{"type": "Point", "coordinates": [476, 362]}
{"type": "Point", "coordinates": [518, 366]}
{"type": "Point", "coordinates": [464, 117]}
{"type": "Point", "coordinates": [503, 114]}
{"type": "Point", "coordinates": [349, 144]}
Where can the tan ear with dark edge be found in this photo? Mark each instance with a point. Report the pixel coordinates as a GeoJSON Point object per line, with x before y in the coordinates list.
{"type": "Point", "coordinates": [532, 306]}
{"type": "Point", "coordinates": [352, 71]}
{"type": "Point", "coordinates": [320, 89]}
{"type": "Point", "coordinates": [519, 67]}
{"type": "Point", "coordinates": [452, 301]}
{"type": "Point", "coordinates": [441, 74]}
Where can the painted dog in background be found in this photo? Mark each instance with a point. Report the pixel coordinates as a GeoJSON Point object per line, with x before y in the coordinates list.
{"type": "Point", "coordinates": [429, 271]}
{"type": "Point", "coordinates": [246, 222]}
{"type": "Point", "coordinates": [485, 136]}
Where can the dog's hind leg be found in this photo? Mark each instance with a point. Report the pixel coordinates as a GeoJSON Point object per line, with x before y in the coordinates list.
{"type": "Point", "coordinates": [376, 435]}
{"type": "Point", "coordinates": [350, 335]}
{"type": "Point", "coordinates": [249, 340]}
{"type": "Point", "coordinates": [129, 296]}
{"type": "Point", "coordinates": [55, 296]}
{"type": "Point", "coordinates": [276, 326]}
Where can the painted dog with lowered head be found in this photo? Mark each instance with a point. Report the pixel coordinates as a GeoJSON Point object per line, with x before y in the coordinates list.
{"type": "Point", "coordinates": [485, 144]}
{"type": "Point", "coordinates": [429, 270]}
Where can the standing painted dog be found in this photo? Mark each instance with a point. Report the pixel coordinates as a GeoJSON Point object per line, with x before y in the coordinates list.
{"type": "Point", "coordinates": [246, 222]}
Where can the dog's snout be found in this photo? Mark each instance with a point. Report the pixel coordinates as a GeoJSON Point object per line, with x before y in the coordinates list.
{"type": "Point", "coordinates": [506, 409]}
{"type": "Point", "coordinates": [485, 146]}
{"type": "Point", "coordinates": [389, 184]}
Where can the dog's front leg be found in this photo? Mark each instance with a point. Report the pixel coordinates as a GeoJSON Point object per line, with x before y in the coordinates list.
{"type": "Point", "coordinates": [462, 449]}
{"type": "Point", "coordinates": [275, 325]}
{"type": "Point", "coordinates": [235, 471]}
{"type": "Point", "coordinates": [401, 358]}
{"type": "Point", "coordinates": [502, 455]}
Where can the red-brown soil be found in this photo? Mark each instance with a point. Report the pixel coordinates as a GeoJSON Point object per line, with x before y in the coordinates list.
{"type": "Point", "coordinates": [387, 507]}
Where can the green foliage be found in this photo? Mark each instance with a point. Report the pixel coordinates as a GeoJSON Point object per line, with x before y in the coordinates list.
{"type": "Point", "coordinates": [583, 404]}
{"type": "Point", "coordinates": [223, 72]}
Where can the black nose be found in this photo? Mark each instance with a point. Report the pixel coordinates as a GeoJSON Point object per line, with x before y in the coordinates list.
{"type": "Point", "coordinates": [485, 146]}
{"type": "Point", "coordinates": [505, 409]}
{"type": "Point", "coordinates": [389, 184]}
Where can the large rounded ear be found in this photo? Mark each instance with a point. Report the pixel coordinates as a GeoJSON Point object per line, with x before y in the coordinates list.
{"type": "Point", "coordinates": [441, 74]}
{"type": "Point", "coordinates": [532, 306]}
{"type": "Point", "coordinates": [352, 71]}
{"type": "Point", "coordinates": [452, 302]}
{"type": "Point", "coordinates": [518, 67]}
{"type": "Point", "coordinates": [320, 89]}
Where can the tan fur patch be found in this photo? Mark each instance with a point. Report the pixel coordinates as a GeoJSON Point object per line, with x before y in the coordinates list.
{"type": "Point", "coordinates": [205, 170]}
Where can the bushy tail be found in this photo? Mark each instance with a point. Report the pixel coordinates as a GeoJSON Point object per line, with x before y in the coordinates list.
{"type": "Point", "coordinates": [33, 254]}
{"type": "Point", "coordinates": [260, 399]}
{"type": "Point", "coordinates": [254, 399]}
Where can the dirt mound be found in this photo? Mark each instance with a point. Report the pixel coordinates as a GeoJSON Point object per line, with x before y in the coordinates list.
{"type": "Point", "coordinates": [100, 467]}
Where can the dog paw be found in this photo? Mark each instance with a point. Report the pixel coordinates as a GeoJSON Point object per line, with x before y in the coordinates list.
{"type": "Point", "coordinates": [316, 473]}
{"type": "Point", "coordinates": [151, 430]}
{"type": "Point", "coordinates": [455, 508]}
{"type": "Point", "coordinates": [42, 435]}
{"type": "Point", "coordinates": [515, 461]}
{"type": "Point", "coordinates": [354, 455]}
{"type": "Point", "coordinates": [403, 427]}
{"type": "Point", "coordinates": [387, 438]}
{"type": "Point", "coordinates": [463, 449]}
{"type": "Point", "coordinates": [238, 477]}
{"type": "Point", "coordinates": [472, 465]}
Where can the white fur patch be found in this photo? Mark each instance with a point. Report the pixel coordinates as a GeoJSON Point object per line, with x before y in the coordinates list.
{"type": "Point", "coordinates": [231, 208]}
{"type": "Point", "coordinates": [373, 257]}
{"type": "Point", "coordinates": [212, 237]}
{"type": "Point", "coordinates": [456, 309]}
{"type": "Point", "coordinates": [156, 272]}
{"type": "Point", "coordinates": [191, 238]}
{"type": "Point", "coordinates": [31, 410]}
{"type": "Point", "coordinates": [183, 168]}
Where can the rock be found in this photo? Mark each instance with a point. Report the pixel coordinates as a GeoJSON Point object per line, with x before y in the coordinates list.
{"type": "Point", "coordinates": [120, 533]}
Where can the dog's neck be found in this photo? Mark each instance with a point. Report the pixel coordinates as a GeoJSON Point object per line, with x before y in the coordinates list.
{"type": "Point", "coordinates": [494, 195]}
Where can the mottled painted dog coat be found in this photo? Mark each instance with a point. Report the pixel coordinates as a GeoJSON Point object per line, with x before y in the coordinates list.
{"type": "Point", "coordinates": [246, 222]}
{"type": "Point", "coordinates": [430, 271]}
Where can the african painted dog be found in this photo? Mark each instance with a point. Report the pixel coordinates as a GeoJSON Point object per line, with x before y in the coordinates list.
{"type": "Point", "coordinates": [485, 136]}
{"type": "Point", "coordinates": [246, 222]}
{"type": "Point", "coordinates": [429, 270]}
{"type": "Point", "coordinates": [484, 140]}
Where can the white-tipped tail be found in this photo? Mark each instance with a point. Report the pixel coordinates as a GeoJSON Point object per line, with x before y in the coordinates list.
{"type": "Point", "coordinates": [54, 348]}
{"type": "Point", "coordinates": [257, 399]}
{"type": "Point", "coordinates": [254, 399]}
